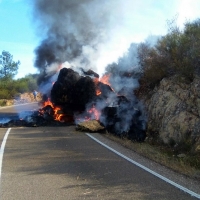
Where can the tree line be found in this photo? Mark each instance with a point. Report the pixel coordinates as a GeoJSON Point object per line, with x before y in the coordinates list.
{"type": "Point", "coordinates": [9, 87]}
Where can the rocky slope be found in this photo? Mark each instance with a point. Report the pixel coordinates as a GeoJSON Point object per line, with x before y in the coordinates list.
{"type": "Point", "coordinates": [28, 97]}
{"type": "Point", "coordinates": [173, 109]}
{"type": "Point", "coordinates": [22, 98]}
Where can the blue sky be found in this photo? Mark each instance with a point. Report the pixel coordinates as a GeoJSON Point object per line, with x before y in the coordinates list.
{"type": "Point", "coordinates": [140, 18]}
{"type": "Point", "coordinates": [17, 34]}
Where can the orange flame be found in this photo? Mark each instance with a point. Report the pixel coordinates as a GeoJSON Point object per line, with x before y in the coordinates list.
{"type": "Point", "coordinates": [105, 79]}
{"type": "Point", "coordinates": [98, 92]}
{"type": "Point", "coordinates": [48, 103]}
{"type": "Point", "coordinates": [94, 112]}
{"type": "Point", "coordinates": [56, 109]}
{"type": "Point", "coordinates": [90, 114]}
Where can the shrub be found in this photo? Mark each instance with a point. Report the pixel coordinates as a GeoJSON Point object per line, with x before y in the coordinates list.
{"type": "Point", "coordinates": [4, 94]}
{"type": "Point", "coordinates": [153, 66]}
{"type": "Point", "coordinates": [9, 88]}
{"type": "Point", "coordinates": [177, 53]}
{"type": "Point", "coordinates": [3, 102]}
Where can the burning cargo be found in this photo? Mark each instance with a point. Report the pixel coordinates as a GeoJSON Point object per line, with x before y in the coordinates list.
{"type": "Point", "coordinates": [72, 90]}
{"type": "Point", "coordinates": [76, 98]}
{"type": "Point", "coordinates": [78, 35]}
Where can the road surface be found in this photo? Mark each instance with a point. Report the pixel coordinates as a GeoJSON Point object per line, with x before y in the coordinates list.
{"type": "Point", "coordinates": [51, 163]}
{"type": "Point", "coordinates": [14, 111]}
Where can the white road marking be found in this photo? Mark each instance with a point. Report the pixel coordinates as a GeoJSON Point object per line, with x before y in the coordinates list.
{"type": "Point", "coordinates": [2, 149]}
{"type": "Point", "coordinates": [146, 169]}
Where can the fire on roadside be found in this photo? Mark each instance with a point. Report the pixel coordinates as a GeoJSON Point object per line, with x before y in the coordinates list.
{"type": "Point", "coordinates": [92, 113]}
{"type": "Point", "coordinates": [95, 114]}
{"type": "Point", "coordinates": [104, 79]}
{"type": "Point", "coordinates": [57, 114]}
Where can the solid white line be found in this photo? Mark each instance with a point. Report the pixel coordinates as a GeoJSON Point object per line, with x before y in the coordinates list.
{"type": "Point", "coordinates": [2, 149]}
{"type": "Point", "coordinates": [146, 169]}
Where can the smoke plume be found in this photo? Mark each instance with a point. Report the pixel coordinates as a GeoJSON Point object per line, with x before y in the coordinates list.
{"type": "Point", "coordinates": [72, 31]}
{"type": "Point", "coordinates": [89, 34]}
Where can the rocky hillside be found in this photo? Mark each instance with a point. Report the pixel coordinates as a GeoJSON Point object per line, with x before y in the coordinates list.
{"type": "Point", "coordinates": [28, 97]}
{"type": "Point", "coordinates": [21, 98]}
{"type": "Point", "coordinates": [174, 113]}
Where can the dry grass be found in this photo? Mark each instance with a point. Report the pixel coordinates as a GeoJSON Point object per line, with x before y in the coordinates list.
{"type": "Point", "coordinates": [162, 155]}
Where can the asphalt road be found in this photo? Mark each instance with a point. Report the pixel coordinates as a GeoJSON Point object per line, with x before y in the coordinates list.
{"type": "Point", "coordinates": [58, 163]}
{"type": "Point", "coordinates": [14, 111]}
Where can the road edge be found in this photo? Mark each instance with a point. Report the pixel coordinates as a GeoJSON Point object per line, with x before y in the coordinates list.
{"type": "Point", "coordinates": [184, 189]}
{"type": "Point", "coordinates": [3, 148]}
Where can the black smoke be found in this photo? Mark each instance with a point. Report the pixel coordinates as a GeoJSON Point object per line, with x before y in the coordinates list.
{"type": "Point", "coordinates": [75, 34]}
{"type": "Point", "coordinates": [69, 27]}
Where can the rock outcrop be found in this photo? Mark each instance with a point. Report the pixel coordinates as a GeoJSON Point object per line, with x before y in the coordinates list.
{"type": "Point", "coordinates": [174, 112]}
{"type": "Point", "coordinates": [28, 97]}
{"type": "Point", "coordinates": [21, 98]}
{"type": "Point", "coordinates": [6, 102]}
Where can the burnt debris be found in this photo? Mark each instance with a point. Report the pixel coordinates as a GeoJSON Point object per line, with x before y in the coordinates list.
{"type": "Point", "coordinates": [72, 90]}
{"type": "Point", "coordinates": [94, 100]}
{"type": "Point", "coordinates": [117, 117]}
{"type": "Point", "coordinates": [75, 99]}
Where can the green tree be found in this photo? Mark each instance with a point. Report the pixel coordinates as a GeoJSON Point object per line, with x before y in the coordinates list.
{"type": "Point", "coordinates": [175, 54]}
{"type": "Point", "coordinates": [32, 81]}
{"type": "Point", "coordinates": [8, 67]}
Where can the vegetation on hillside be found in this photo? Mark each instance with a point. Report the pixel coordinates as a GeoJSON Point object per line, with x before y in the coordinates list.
{"type": "Point", "coordinates": [9, 87]}
{"type": "Point", "coordinates": [176, 53]}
